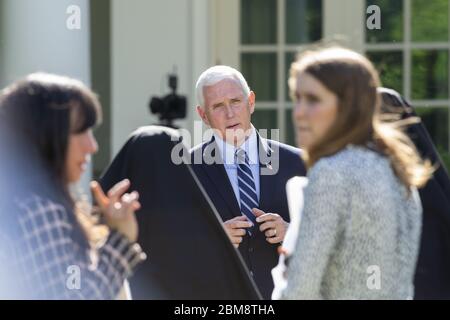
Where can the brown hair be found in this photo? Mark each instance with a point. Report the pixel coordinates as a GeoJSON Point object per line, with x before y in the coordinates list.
{"type": "Point", "coordinates": [354, 80]}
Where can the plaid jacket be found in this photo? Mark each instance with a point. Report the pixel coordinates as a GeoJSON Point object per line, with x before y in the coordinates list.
{"type": "Point", "coordinates": [48, 261]}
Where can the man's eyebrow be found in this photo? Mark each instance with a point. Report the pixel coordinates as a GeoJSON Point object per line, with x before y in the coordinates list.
{"type": "Point", "coordinates": [218, 104]}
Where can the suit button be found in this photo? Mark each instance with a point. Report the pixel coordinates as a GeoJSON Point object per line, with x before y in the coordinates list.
{"type": "Point", "coordinates": [250, 249]}
{"type": "Point", "coordinates": [251, 273]}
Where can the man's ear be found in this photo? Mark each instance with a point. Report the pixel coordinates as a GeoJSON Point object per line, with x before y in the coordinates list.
{"type": "Point", "coordinates": [251, 101]}
{"type": "Point", "coordinates": [201, 112]}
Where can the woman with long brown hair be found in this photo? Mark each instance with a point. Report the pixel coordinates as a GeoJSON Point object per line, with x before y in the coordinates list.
{"type": "Point", "coordinates": [52, 248]}
{"type": "Point", "coordinates": [360, 227]}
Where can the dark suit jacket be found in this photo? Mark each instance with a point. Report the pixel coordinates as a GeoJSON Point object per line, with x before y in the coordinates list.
{"type": "Point", "coordinates": [189, 253]}
{"type": "Point", "coordinates": [432, 279]}
{"type": "Point", "coordinates": [259, 255]}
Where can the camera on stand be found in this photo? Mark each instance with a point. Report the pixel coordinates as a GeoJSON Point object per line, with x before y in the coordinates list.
{"type": "Point", "coordinates": [171, 106]}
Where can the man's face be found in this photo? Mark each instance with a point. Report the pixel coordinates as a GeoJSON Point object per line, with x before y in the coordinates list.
{"type": "Point", "coordinates": [228, 110]}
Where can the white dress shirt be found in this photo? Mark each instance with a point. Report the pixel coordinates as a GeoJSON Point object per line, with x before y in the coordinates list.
{"type": "Point", "coordinates": [227, 152]}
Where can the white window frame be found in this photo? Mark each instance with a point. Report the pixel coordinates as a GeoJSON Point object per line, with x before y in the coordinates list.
{"type": "Point", "coordinates": [406, 47]}
{"type": "Point", "coordinates": [228, 49]}
{"type": "Point", "coordinates": [343, 21]}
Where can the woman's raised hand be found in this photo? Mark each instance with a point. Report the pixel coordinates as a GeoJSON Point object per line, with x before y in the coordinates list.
{"type": "Point", "coordinates": [119, 208]}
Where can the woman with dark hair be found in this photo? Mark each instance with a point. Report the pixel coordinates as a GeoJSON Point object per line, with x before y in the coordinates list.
{"type": "Point", "coordinates": [52, 246]}
{"type": "Point", "coordinates": [359, 231]}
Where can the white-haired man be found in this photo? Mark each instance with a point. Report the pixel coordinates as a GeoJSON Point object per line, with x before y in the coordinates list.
{"type": "Point", "coordinates": [243, 173]}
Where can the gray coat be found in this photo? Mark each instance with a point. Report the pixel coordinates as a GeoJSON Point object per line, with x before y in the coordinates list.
{"type": "Point", "coordinates": [359, 233]}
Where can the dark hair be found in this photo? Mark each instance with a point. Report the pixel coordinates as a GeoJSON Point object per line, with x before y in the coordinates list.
{"type": "Point", "coordinates": [42, 110]}
{"type": "Point", "coordinates": [394, 105]}
{"type": "Point", "coordinates": [39, 114]}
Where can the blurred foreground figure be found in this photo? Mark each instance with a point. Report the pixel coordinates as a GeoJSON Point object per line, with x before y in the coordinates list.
{"type": "Point", "coordinates": [359, 232]}
{"type": "Point", "coordinates": [51, 245]}
{"type": "Point", "coordinates": [189, 253]}
{"type": "Point", "coordinates": [432, 279]}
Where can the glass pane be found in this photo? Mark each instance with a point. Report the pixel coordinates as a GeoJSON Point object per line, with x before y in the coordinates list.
{"type": "Point", "coordinates": [258, 21]}
{"type": "Point", "coordinates": [436, 120]}
{"type": "Point", "coordinates": [445, 157]}
{"type": "Point", "coordinates": [265, 119]}
{"type": "Point", "coordinates": [390, 67]}
{"type": "Point", "coordinates": [290, 133]}
{"type": "Point", "coordinates": [290, 57]}
{"type": "Point", "coordinates": [260, 70]}
{"type": "Point", "coordinates": [430, 20]}
{"type": "Point", "coordinates": [429, 74]}
{"type": "Point", "coordinates": [303, 21]}
{"type": "Point", "coordinates": [391, 22]}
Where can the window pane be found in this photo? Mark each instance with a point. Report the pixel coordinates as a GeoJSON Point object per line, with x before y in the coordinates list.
{"type": "Point", "coordinates": [265, 119]}
{"type": "Point", "coordinates": [436, 120]}
{"type": "Point", "coordinates": [430, 20]}
{"type": "Point", "coordinates": [303, 21]}
{"type": "Point", "coordinates": [290, 133]}
{"type": "Point", "coordinates": [290, 57]}
{"type": "Point", "coordinates": [429, 74]}
{"type": "Point", "coordinates": [260, 70]}
{"type": "Point", "coordinates": [390, 67]}
{"type": "Point", "coordinates": [258, 21]}
{"type": "Point", "coordinates": [391, 21]}
{"type": "Point", "coordinates": [445, 157]}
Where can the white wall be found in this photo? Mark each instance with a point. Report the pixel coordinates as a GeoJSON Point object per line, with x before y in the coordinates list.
{"type": "Point", "coordinates": [36, 38]}
{"type": "Point", "coordinates": [149, 38]}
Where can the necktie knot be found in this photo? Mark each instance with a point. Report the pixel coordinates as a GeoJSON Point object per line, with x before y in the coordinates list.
{"type": "Point", "coordinates": [241, 156]}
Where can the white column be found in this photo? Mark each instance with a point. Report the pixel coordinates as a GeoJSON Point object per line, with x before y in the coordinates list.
{"type": "Point", "coordinates": [36, 38]}
{"type": "Point", "coordinates": [344, 20]}
{"type": "Point", "coordinates": [226, 25]}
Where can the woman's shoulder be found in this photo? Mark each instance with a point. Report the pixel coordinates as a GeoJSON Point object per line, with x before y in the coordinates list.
{"type": "Point", "coordinates": [351, 159]}
{"type": "Point", "coordinates": [40, 209]}
{"type": "Point", "coordinates": [37, 201]}
{"type": "Point", "coordinates": [353, 163]}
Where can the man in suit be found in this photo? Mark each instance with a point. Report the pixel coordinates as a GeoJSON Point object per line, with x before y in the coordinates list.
{"type": "Point", "coordinates": [244, 174]}
{"type": "Point", "coordinates": [189, 255]}
{"type": "Point", "coordinates": [432, 278]}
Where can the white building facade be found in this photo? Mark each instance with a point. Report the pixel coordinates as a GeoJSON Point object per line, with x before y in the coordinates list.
{"type": "Point", "coordinates": [125, 50]}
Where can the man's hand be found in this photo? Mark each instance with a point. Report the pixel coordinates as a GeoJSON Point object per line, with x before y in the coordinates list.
{"type": "Point", "coordinates": [272, 224]}
{"type": "Point", "coordinates": [236, 229]}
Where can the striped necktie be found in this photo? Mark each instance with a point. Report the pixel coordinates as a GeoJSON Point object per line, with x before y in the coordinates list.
{"type": "Point", "coordinates": [247, 189]}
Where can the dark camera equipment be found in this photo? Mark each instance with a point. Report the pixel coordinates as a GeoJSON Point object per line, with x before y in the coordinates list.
{"type": "Point", "coordinates": [170, 107]}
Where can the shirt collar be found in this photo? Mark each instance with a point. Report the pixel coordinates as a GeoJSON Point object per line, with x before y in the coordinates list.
{"type": "Point", "coordinates": [227, 150]}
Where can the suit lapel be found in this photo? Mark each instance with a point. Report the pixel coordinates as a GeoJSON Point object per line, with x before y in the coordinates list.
{"type": "Point", "coordinates": [215, 170]}
{"type": "Point", "coordinates": [219, 178]}
{"type": "Point", "coordinates": [266, 182]}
